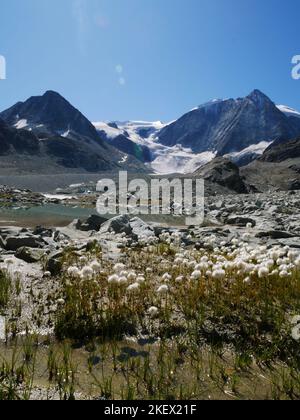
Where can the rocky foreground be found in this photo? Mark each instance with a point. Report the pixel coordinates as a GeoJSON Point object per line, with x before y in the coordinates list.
{"type": "Point", "coordinates": [36, 256]}
{"type": "Point", "coordinates": [156, 311]}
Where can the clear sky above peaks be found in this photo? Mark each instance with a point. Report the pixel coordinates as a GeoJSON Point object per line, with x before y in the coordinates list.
{"type": "Point", "coordinates": [148, 59]}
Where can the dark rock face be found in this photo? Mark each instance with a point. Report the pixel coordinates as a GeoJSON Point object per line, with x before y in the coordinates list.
{"type": "Point", "coordinates": [119, 224]}
{"type": "Point", "coordinates": [279, 152]}
{"type": "Point", "coordinates": [12, 243]}
{"type": "Point", "coordinates": [127, 146]}
{"type": "Point", "coordinates": [60, 135]}
{"type": "Point", "coordinates": [30, 255]}
{"type": "Point", "coordinates": [230, 125]}
{"type": "Point", "coordinates": [94, 222]}
{"type": "Point", "coordinates": [17, 141]}
{"type": "Point", "coordinates": [225, 173]}
{"type": "Point", "coordinates": [54, 113]}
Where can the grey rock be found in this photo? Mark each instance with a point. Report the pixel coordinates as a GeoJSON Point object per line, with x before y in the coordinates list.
{"type": "Point", "coordinates": [12, 243]}
{"type": "Point", "coordinates": [140, 228]}
{"type": "Point", "coordinates": [54, 263]}
{"type": "Point", "coordinates": [240, 221]}
{"type": "Point", "coordinates": [30, 255]}
{"type": "Point", "coordinates": [274, 234]}
{"type": "Point", "coordinates": [119, 224]}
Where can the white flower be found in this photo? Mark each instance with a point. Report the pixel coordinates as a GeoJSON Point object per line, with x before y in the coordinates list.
{"type": "Point", "coordinates": [95, 266]}
{"type": "Point", "coordinates": [166, 277]}
{"type": "Point", "coordinates": [296, 332]}
{"type": "Point", "coordinates": [283, 274]}
{"type": "Point", "coordinates": [295, 320]}
{"type": "Point", "coordinates": [163, 289]}
{"type": "Point", "coordinates": [123, 280]}
{"type": "Point", "coordinates": [47, 274]}
{"type": "Point", "coordinates": [218, 274]}
{"type": "Point", "coordinates": [140, 279]}
{"type": "Point", "coordinates": [263, 272]}
{"type": "Point", "coordinates": [114, 279]}
{"type": "Point", "coordinates": [179, 279]}
{"type": "Point", "coordinates": [133, 288]}
{"type": "Point", "coordinates": [87, 272]}
{"type": "Point", "coordinates": [196, 275]}
{"type": "Point", "coordinates": [73, 272]}
{"type": "Point", "coordinates": [118, 268]}
{"type": "Point", "coordinates": [249, 226]}
{"type": "Point", "coordinates": [153, 311]}
{"type": "Point", "coordinates": [60, 302]}
{"type": "Point", "coordinates": [131, 276]}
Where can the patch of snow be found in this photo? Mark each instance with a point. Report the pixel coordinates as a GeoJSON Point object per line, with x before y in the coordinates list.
{"type": "Point", "coordinates": [179, 160]}
{"type": "Point", "coordinates": [66, 134]}
{"type": "Point", "coordinates": [257, 149]}
{"type": "Point", "coordinates": [109, 131]}
{"type": "Point", "coordinates": [21, 124]}
{"type": "Point", "coordinates": [289, 112]}
{"type": "Point", "coordinates": [59, 196]}
{"type": "Point", "coordinates": [124, 159]}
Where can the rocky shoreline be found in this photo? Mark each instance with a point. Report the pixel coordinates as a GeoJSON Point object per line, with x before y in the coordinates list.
{"type": "Point", "coordinates": [36, 255]}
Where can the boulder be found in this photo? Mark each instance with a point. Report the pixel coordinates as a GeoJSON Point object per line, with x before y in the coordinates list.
{"type": "Point", "coordinates": [12, 243]}
{"type": "Point", "coordinates": [119, 224]}
{"type": "Point", "coordinates": [274, 234]}
{"type": "Point", "coordinates": [94, 222]}
{"type": "Point", "coordinates": [54, 263]}
{"type": "Point", "coordinates": [240, 221]}
{"type": "Point", "coordinates": [141, 229]}
{"type": "Point", "coordinates": [30, 255]}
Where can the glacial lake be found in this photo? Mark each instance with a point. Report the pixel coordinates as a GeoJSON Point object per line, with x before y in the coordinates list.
{"type": "Point", "coordinates": [46, 215]}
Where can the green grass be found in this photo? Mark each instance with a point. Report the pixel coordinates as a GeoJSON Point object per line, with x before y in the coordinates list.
{"type": "Point", "coordinates": [5, 290]}
{"type": "Point", "coordinates": [210, 339]}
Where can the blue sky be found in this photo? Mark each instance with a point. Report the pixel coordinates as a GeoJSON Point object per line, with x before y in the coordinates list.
{"type": "Point", "coordinates": [148, 59]}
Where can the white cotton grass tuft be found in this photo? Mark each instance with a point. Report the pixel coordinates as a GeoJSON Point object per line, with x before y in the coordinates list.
{"type": "Point", "coordinates": [218, 274]}
{"type": "Point", "coordinates": [166, 277]}
{"type": "Point", "coordinates": [114, 279]}
{"type": "Point", "coordinates": [87, 273]}
{"type": "Point", "coordinates": [163, 289]}
{"type": "Point", "coordinates": [118, 268]}
{"type": "Point", "coordinates": [263, 272]}
{"type": "Point", "coordinates": [296, 330]}
{"type": "Point", "coordinates": [196, 275]}
{"type": "Point", "coordinates": [73, 272]}
{"type": "Point", "coordinates": [153, 311]}
{"type": "Point", "coordinates": [133, 288]}
{"type": "Point", "coordinates": [95, 266]}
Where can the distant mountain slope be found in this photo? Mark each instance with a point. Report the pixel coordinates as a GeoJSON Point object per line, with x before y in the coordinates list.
{"type": "Point", "coordinates": [277, 169]}
{"type": "Point", "coordinates": [62, 135]}
{"type": "Point", "coordinates": [239, 129]}
{"type": "Point", "coordinates": [278, 152]}
{"type": "Point", "coordinates": [50, 114]}
{"type": "Point", "coordinates": [230, 126]}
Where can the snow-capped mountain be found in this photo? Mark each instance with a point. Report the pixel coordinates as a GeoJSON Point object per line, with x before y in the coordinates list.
{"type": "Point", "coordinates": [63, 137]}
{"type": "Point", "coordinates": [289, 112]}
{"type": "Point", "coordinates": [241, 129]}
